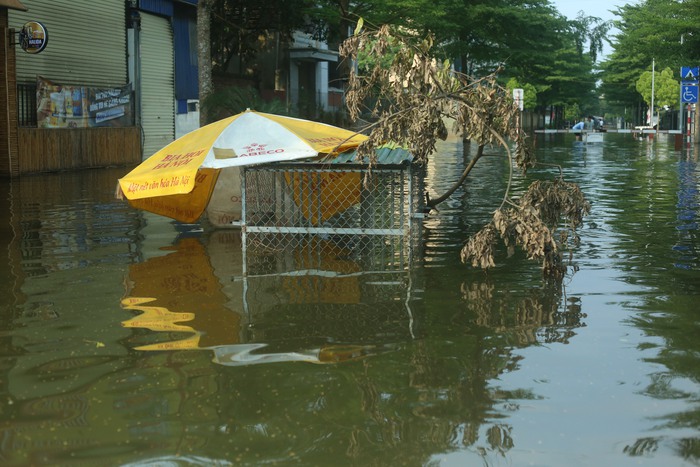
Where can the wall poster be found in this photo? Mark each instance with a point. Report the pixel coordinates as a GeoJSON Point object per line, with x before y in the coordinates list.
{"type": "Point", "coordinates": [70, 106]}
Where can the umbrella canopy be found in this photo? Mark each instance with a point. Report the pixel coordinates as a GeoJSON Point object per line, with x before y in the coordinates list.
{"type": "Point", "coordinates": [193, 160]}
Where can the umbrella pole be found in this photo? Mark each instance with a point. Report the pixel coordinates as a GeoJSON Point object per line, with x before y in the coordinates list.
{"type": "Point", "coordinates": [243, 219]}
{"type": "Point", "coordinates": [244, 244]}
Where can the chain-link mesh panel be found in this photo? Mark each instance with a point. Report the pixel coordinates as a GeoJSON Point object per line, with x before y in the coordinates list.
{"type": "Point", "coordinates": [280, 253]}
{"type": "Point", "coordinates": [300, 208]}
{"type": "Point", "coordinates": [330, 199]}
{"type": "Point", "coordinates": [349, 291]}
{"type": "Point", "coordinates": [329, 249]}
{"type": "Point", "coordinates": [362, 308]}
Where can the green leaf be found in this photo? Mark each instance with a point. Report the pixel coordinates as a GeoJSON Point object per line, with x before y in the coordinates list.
{"type": "Point", "coordinates": [358, 28]}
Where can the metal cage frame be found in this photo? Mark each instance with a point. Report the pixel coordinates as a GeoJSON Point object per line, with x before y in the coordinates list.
{"type": "Point", "coordinates": [284, 205]}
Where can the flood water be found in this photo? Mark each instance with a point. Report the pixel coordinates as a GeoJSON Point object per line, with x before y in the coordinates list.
{"type": "Point", "coordinates": [127, 339]}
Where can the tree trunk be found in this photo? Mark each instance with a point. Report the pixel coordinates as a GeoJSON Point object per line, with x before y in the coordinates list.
{"type": "Point", "coordinates": [343, 32]}
{"type": "Point", "coordinates": [204, 56]}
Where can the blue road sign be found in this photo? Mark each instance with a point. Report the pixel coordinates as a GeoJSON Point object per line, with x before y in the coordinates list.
{"type": "Point", "coordinates": [689, 93]}
{"type": "Point", "coordinates": [690, 73]}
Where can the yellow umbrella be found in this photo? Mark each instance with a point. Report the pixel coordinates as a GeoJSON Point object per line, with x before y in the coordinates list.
{"type": "Point", "coordinates": [178, 180]}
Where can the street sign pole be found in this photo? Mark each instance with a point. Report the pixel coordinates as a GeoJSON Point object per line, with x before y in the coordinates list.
{"type": "Point", "coordinates": [693, 124]}
{"type": "Point", "coordinates": [680, 105]}
{"type": "Point", "coordinates": [689, 97]}
{"type": "Point", "coordinates": [680, 109]}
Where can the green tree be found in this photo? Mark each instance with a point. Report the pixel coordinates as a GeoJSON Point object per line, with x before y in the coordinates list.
{"type": "Point", "coordinates": [667, 90]}
{"type": "Point", "coordinates": [619, 75]}
{"type": "Point", "coordinates": [591, 30]}
{"type": "Point", "coordinates": [664, 86]}
{"type": "Point", "coordinates": [333, 21]}
{"type": "Point", "coordinates": [657, 28]}
{"type": "Point", "coordinates": [525, 39]}
{"type": "Point", "coordinates": [529, 92]}
{"type": "Point", "coordinates": [522, 38]}
{"type": "Point", "coordinates": [240, 29]}
{"type": "Point", "coordinates": [665, 30]}
{"type": "Point", "coordinates": [570, 80]}
{"type": "Point", "coordinates": [572, 113]}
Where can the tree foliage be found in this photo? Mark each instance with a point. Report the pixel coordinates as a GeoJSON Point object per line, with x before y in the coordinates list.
{"type": "Point", "coordinates": [667, 31]}
{"type": "Point", "coordinates": [411, 98]}
{"type": "Point", "coordinates": [240, 28]}
{"type": "Point", "coordinates": [233, 100]}
{"type": "Point", "coordinates": [525, 39]}
{"type": "Point", "coordinates": [591, 30]}
{"type": "Point", "coordinates": [529, 92]}
{"type": "Point", "coordinates": [531, 224]}
{"type": "Point", "coordinates": [665, 86]}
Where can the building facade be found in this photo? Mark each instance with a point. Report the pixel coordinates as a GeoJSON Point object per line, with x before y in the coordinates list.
{"type": "Point", "coordinates": [162, 44]}
{"type": "Point", "coordinates": [117, 80]}
{"type": "Point", "coordinates": [310, 66]}
{"type": "Point", "coordinates": [8, 91]}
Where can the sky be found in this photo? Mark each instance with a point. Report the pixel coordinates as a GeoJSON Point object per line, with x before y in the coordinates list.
{"type": "Point", "coordinates": [599, 8]}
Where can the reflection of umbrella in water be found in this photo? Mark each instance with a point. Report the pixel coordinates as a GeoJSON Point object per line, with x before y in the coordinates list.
{"type": "Point", "coordinates": [178, 180]}
{"type": "Point", "coordinates": [179, 292]}
{"type": "Point", "coordinates": [245, 354]}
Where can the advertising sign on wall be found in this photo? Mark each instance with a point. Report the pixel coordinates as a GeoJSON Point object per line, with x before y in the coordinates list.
{"type": "Point", "coordinates": [68, 106]}
{"type": "Point", "coordinates": [33, 37]}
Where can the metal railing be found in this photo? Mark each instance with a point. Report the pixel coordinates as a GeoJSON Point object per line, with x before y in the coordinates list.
{"type": "Point", "coordinates": [26, 105]}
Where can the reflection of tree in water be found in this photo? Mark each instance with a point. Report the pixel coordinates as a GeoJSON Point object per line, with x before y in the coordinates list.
{"type": "Point", "coordinates": [418, 394]}
{"type": "Point", "coordinates": [687, 448]}
{"type": "Point", "coordinates": [537, 317]}
{"type": "Point", "coordinates": [411, 393]}
{"type": "Point", "coordinates": [441, 400]}
{"type": "Point", "coordinates": [455, 407]}
{"type": "Point", "coordinates": [678, 359]}
{"type": "Point", "coordinates": [437, 403]}
{"type": "Point", "coordinates": [666, 234]}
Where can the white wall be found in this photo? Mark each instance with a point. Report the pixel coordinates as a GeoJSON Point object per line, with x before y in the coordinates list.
{"type": "Point", "coordinates": [184, 123]}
